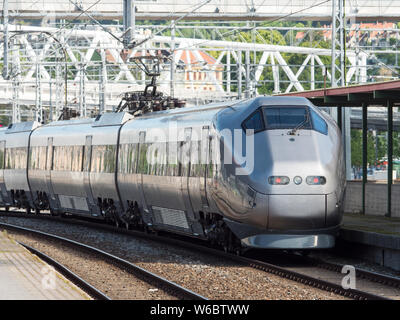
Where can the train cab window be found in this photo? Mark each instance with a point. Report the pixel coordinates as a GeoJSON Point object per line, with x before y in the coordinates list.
{"type": "Point", "coordinates": [254, 122]}
{"type": "Point", "coordinates": [286, 117]}
{"type": "Point", "coordinates": [318, 123]}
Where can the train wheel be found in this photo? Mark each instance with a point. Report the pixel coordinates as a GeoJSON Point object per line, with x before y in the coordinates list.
{"type": "Point", "coordinates": [28, 210]}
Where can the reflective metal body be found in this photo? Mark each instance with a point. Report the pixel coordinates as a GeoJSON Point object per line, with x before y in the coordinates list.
{"type": "Point", "coordinates": [174, 169]}
{"type": "Point", "coordinates": [14, 182]}
{"type": "Point", "coordinates": [68, 161]}
{"type": "Point", "coordinates": [285, 209]}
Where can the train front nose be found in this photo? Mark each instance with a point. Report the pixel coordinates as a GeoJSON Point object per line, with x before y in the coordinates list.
{"type": "Point", "coordinates": [296, 211]}
{"type": "Point", "coordinates": [299, 186]}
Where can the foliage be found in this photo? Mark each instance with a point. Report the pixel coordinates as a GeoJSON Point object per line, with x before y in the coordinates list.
{"type": "Point", "coordinates": [376, 147]}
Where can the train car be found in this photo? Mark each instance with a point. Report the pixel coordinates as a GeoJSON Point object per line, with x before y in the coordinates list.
{"type": "Point", "coordinates": [15, 184]}
{"type": "Point", "coordinates": [72, 166]}
{"type": "Point", "coordinates": [293, 196]}
{"type": "Point", "coordinates": [266, 172]}
{"type": "Point", "coordinates": [4, 199]}
{"type": "Point", "coordinates": [168, 190]}
{"type": "Point", "coordinates": [289, 197]}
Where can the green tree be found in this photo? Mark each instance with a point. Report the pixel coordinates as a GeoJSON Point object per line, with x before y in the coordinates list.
{"type": "Point", "coordinates": [356, 148]}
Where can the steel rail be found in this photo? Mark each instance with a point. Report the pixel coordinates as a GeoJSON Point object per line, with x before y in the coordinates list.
{"type": "Point", "coordinates": [74, 278]}
{"type": "Point", "coordinates": [362, 273]}
{"type": "Point", "coordinates": [169, 286]}
{"type": "Point", "coordinates": [253, 263]}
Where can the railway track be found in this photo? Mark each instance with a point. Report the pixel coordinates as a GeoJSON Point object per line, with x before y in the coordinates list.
{"type": "Point", "coordinates": [160, 282]}
{"type": "Point", "coordinates": [312, 272]}
{"type": "Point", "coordinates": [67, 273]}
{"type": "Point", "coordinates": [329, 276]}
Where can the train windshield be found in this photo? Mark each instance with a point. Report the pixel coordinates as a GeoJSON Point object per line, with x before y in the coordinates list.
{"type": "Point", "coordinates": [286, 118]}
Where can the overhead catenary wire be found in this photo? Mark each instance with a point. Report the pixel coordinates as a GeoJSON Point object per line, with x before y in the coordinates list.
{"type": "Point", "coordinates": [172, 24]}
{"type": "Point", "coordinates": [145, 40]}
{"type": "Point", "coordinates": [234, 31]}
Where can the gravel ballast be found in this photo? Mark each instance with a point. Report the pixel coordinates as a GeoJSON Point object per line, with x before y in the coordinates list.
{"type": "Point", "coordinates": [109, 279]}
{"type": "Point", "coordinates": [204, 274]}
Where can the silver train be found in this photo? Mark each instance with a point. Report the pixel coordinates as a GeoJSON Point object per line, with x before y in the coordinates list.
{"type": "Point", "coordinates": [191, 171]}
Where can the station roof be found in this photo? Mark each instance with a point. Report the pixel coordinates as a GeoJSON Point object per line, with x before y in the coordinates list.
{"type": "Point", "coordinates": [377, 93]}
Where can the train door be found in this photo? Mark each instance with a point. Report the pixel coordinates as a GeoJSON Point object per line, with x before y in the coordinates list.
{"type": "Point", "coordinates": [197, 176]}
{"type": "Point", "coordinates": [87, 160]}
{"type": "Point", "coordinates": [184, 159]}
{"type": "Point", "coordinates": [49, 167]}
{"type": "Point", "coordinates": [3, 190]}
{"type": "Point", "coordinates": [213, 158]}
{"type": "Point", "coordinates": [191, 181]}
{"type": "Point", "coordinates": [141, 158]}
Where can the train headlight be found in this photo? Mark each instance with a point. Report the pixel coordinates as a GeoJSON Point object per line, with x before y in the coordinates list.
{"type": "Point", "coordinates": [297, 180]}
{"type": "Point", "coordinates": [278, 180]}
{"type": "Point", "coordinates": [316, 180]}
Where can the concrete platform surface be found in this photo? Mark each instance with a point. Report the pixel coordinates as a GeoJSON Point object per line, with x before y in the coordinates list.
{"type": "Point", "coordinates": [374, 238]}
{"type": "Point", "coordinates": [23, 276]}
{"type": "Point", "coordinates": [377, 224]}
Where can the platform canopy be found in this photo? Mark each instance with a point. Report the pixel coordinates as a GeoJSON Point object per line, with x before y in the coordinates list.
{"type": "Point", "coordinates": [378, 93]}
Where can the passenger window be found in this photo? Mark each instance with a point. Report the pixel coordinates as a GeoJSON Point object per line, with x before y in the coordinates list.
{"type": "Point", "coordinates": [127, 158]}
{"type": "Point", "coordinates": [318, 123]}
{"type": "Point", "coordinates": [77, 157]}
{"type": "Point", "coordinates": [196, 167]}
{"type": "Point", "coordinates": [143, 164]}
{"type": "Point", "coordinates": [103, 158]}
{"type": "Point", "coordinates": [255, 122]}
{"type": "Point", "coordinates": [212, 169]}
{"type": "Point", "coordinates": [173, 163]}
{"type": "Point", "coordinates": [158, 157]}
{"type": "Point", "coordinates": [109, 158]}
{"type": "Point", "coordinates": [2, 158]}
{"type": "Point", "coordinates": [184, 158]}
{"type": "Point", "coordinates": [16, 158]}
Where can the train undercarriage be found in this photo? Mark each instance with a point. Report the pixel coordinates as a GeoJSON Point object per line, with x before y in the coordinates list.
{"type": "Point", "coordinates": [216, 231]}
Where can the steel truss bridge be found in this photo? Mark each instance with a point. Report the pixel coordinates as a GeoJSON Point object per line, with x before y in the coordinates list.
{"type": "Point", "coordinates": [98, 72]}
